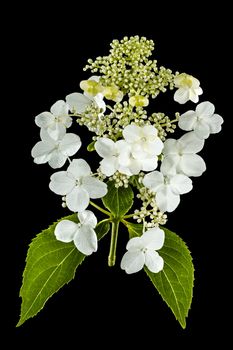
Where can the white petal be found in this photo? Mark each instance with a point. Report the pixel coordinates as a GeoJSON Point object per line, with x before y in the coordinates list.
{"type": "Point", "coordinates": [153, 238]}
{"type": "Point", "coordinates": [181, 95]}
{"type": "Point", "coordinates": [55, 130]}
{"type": "Point", "coordinates": [94, 187]}
{"type": "Point", "coordinates": [149, 164]}
{"type": "Point", "coordinates": [192, 165]}
{"type": "Point", "coordinates": [105, 147]}
{"type": "Point", "coordinates": [67, 121]}
{"type": "Point", "coordinates": [132, 133]}
{"type": "Point", "coordinates": [154, 261]}
{"type": "Point", "coordinates": [202, 129]}
{"type": "Point", "coordinates": [95, 78]}
{"type": "Point", "coordinates": [57, 159]}
{"type": "Point", "coordinates": [65, 231]}
{"type": "Point", "coordinates": [78, 199]}
{"type": "Point", "coordinates": [87, 217]}
{"type": "Point", "coordinates": [109, 165]}
{"type": "Point", "coordinates": [98, 99]}
{"type": "Point", "coordinates": [70, 144]}
{"type": "Point", "coordinates": [43, 120]}
{"type": "Point", "coordinates": [132, 262]}
{"type": "Point", "coordinates": [193, 95]}
{"type": "Point", "coordinates": [187, 120]}
{"type": "Point", "coordinates": [135, 244]}
{"type": "Point", "coordinates": [180, 184]}
{"type": "Point", "coordinates": [190, 143]}
{"type": "Point", "coordinates": [153, 180]}
{"type": "Point", "coordinates": [79, 168]}
{"type": "Point", "coordinates": [170, 147]}
{"type": "Point", "coordinates": [155, 147]}
{"type": "Point", "coordinates": [205, 109]}
{"type": "Point", "coordinates": [78, 102]}
{"type": "Point", "coordinates": [61, 183]}
{"type": "Point", "coordinates": [149, 131]}
{"type": "Point", "coordinates": [134, 167]}
{"type": "Point", "coordinates": [215, 123]}
{"type": "Point", "coordinates": [45, 137]}
{"type": "Point", "coordinates": [169, 164]}
{"type": "Point", "coordinates": [85, 240]}
{"type": "Point", "coordinates": [59, 108]}
{"type": "Point", "coordinates": [42, 151]}
{"type": "Point", "coordinates": [166, 199]}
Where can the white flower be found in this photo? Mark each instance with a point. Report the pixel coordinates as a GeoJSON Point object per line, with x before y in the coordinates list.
{"type": "Point", "coordinates": [142, 251]}
{"type": "Point", "coordinates": [77, 185]}
{"type": "Point", "coordinates": [55, 151]}
{"type": "Point", "coordinates": [188, 88]}
{"type": "Point", "coordinates": [180, 156]}
{"type": "Point", "coordinates": [82, 234]}
{"type": "Point", "coordinates": [92, 94]}
{"type": "Point", "coordinates": [203, 121]}
{"type": "Point", "coordinates": [167, 189]}
{"type": "Point", "coordinates": [144, 141]}
{"type": "Point", "coordinates": [79, 102]}
{"type": "Point", "coordinates": [116, 156]}
{"type": "Point", "coordinates": [56, 121]}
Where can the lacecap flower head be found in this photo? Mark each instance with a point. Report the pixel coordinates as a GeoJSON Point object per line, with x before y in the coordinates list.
{"type": "Point", "coordinates": [139, 158]}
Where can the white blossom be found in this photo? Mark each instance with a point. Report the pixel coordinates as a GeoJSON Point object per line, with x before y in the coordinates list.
{"type": "Point", "coordinates": [180, 156]}
{"type": "Point", "coordinates": [203, 121]}
{"type": "Point", "coordinates": [167, 189]}
{"type": "Point", "coordinates": [116, 156]}
{"type": "Point", "coordinates": [55, 151]}
{"type": "Point", "coordinates": [137, 151]}
{"type": "Point", "coordinates": [188, 88]}
{"type": "Point", "coordinates": [82, 234]}
{"type": "Point", "coordinates": [144, 141]}
{"type": "Point", "coordinates": [142, 251]}
{"type": "Point", "coordinates": [77, 185]}
{"type": "Point", "coordinates": [79, 102]}
{"type": "Point", "coordinates": [56, 121]}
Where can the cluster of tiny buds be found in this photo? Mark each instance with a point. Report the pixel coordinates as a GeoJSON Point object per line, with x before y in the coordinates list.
{"type": "Point", "coordinates": [149, 212]}
{"type": "Point", "coordinates": [121, 180]}
{"type": "Point", "coordinates": [129, 68]}
{"type": "Point", "coordinates": [100, 175]}
{"type": "Point", "coordinates": [64, 202]}
{"type": "Point", "coordinates": [164, 124]}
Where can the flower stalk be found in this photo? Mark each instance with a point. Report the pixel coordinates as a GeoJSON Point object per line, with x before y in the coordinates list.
{"type": "Point", "coordinates": [113, 244]}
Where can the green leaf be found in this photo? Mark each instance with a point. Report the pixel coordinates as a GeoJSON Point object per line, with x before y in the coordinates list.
{"type": "Point", "coordinates": [91, 146]}
{"type": "Point", "coordinates": [102, 229]}
{"type": "Point", "coordinates": [50, 264]}
{"type": "Point", "coordinates": [175, 282]}
{"type": "Point", "coordinates": [118, 200]}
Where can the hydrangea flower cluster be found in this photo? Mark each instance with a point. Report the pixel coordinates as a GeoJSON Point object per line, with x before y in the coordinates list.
{"type": "Point", "coordinates": [133, 146]}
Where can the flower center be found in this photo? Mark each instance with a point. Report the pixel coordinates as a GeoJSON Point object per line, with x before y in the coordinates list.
{"type": "Point", "coordinates": [144, 250]}
{"type": "Point", "coordinates": [78, 182]}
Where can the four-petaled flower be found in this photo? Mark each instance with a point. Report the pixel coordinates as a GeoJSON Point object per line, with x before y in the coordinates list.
{"type": "Point", "coordinates": [188, 88]}
{"type": "Point", "coordinates": [82, 234]}
{"type": "Point", "coordinates": [55, 151]}
{"type": "Point", "coordinates": [77, 185]}
{"type": "Point", "coordinates": [142, 251]}
{"type": "Point", "coordinates": [144, 141]}
{"type": "Point", "coordinates": [180, 156]}
{"type": "Point", "coordinates": [203, 121]}
{"type": "Point", "coordinates": [167, 189]}
{"type": "Point", "coordinates": [56, 121]}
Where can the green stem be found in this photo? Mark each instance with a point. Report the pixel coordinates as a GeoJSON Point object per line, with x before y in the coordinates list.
{"type": "Point", "coordinates": [100, 209]}
{"type": "Point", "coordinates": [171, 121]}
{"type": "Point", "coordinates": [113, 244]}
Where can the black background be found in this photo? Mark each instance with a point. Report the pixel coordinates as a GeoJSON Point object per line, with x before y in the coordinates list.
{"type": "Point", "coordinates": [47, 49]}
